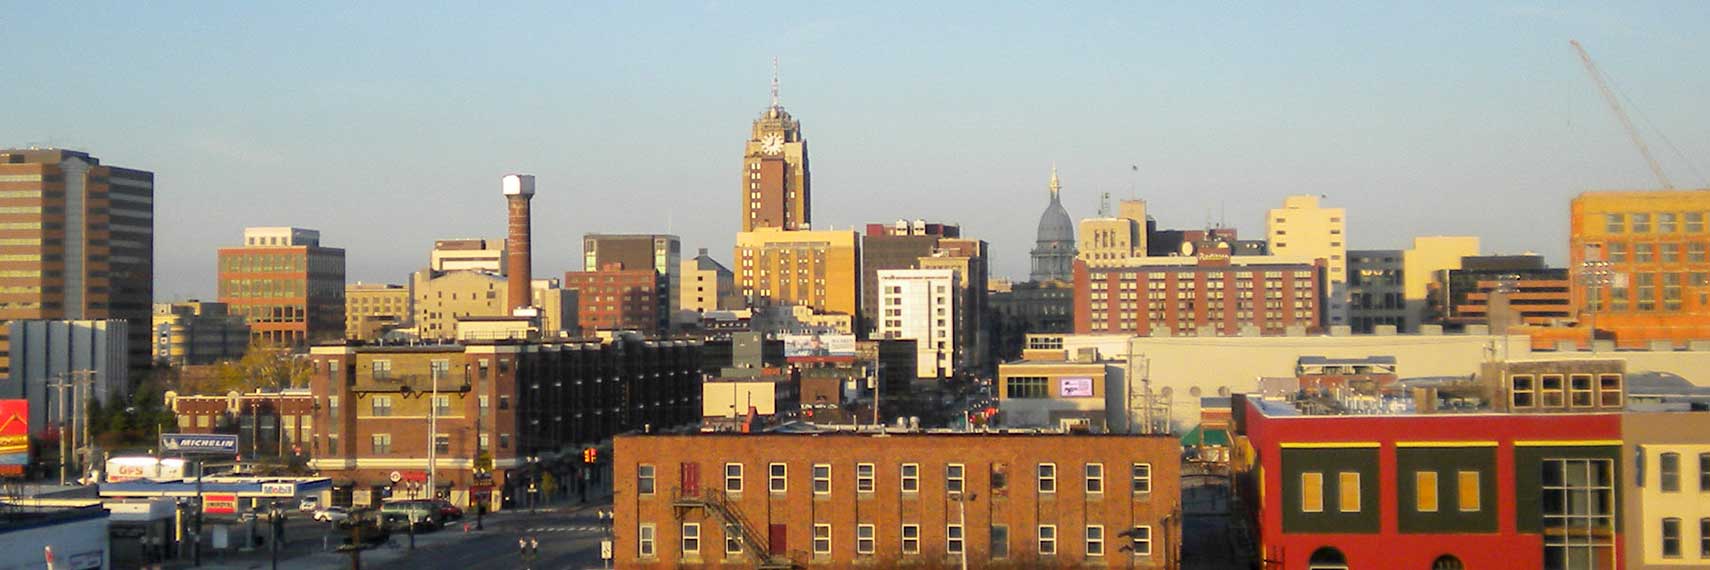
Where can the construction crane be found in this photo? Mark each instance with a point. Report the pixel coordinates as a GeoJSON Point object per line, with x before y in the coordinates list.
{"type": "Point", "coordinates": [1621, 114]}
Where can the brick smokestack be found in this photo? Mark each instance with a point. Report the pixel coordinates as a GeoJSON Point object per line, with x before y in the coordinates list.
{"type": "Point", "coordinates": [519, 261]}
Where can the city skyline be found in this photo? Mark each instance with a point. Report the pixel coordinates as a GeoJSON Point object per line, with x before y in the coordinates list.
{"type": "Point", "coordinates": [317, 118]}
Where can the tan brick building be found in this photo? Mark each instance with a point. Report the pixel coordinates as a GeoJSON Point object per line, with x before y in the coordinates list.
{"type": "Point", "coordinates": [817, 269]}
{"type": "Point", "coordinates": [852, 500]}
{"type": "Point", "coordinates": [371, 309]}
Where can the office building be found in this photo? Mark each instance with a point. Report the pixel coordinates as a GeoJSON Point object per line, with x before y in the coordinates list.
{"type": "Point", "coordinates": [895, 246]}
{"type": "Point", "coordinates": [1641, 266]}
{"type": "Point", "coordinates": [288, 286]}
{"type": "Point", "coordinates": [707, 286]}
{"type": "Point", "coordinates": [1054, 245]}
{"type": "Point", "coordinates": [1082, 392]}
{"type": "Point", "coordinates": [1111, 240]}
{"type": "Point", "coordinates": [468, 255]}
{"type": "Point", "coordinates": [922, 305]}
{"type": "Point", "coordinates": [1377, 294]}
{"type": "Point", "coordinates": [76, 243]}
{"type": "Point", "coordinates": [1503, 291]}
{"type": "Point", "coordinates": [659, 252]}
{"type": "Point", "coordinates": [1207, 292]}
{"type": "Point", "coordinates": [817, 269]}
{"type": "Point", "coordinates": [373, 309]}
{"type": "Point", "coordinates": [197, 333]}
{"type": "Point", "coordinates": [776, 184]}
{"type": "Point", "coordinates": [1301, 228]}
{"type": "Point", "coordinates": [619, 298]}
{"type": "Point", "coordinates": [899, 499]}
{"type": "Point", "coordinates": [500, 402]}
{"type": "Point", "coordinates": [90, 359]}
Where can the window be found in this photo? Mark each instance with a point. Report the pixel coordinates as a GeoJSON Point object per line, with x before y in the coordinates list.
{"type": "Point", "coordinates": [776, 480]}
{"type": "Point", "coordinates": [1704, 472]}
{"type": "Point", "coordinates": [732, 539]}
{"type": "Point", "coordinates": [1468, 491]}
{"type": "Point", "coordinates": [1578, 506]}
{"type": "Point", "coordinates": [1671, 538]}
{"type": "Point", "coordinates": [1095, 477]}
{"type": "Point", "coordinates": [382, 443]}
{"type": "Point", "coordinates": [954, 474]}
{"type": "Point", "coordinates": [1348, 487]}
{"type": "Point", "coordinates": [863, 477]}
{"type": "Point", "coordinates": [1641, 223]}
{"type": "Point", "coordinates": [644, 540]}
{"type": "Point", "coordinates": [1047, 540]}
{"type": "Point", "coordinates": [1669, 470]}
{"type": "Point", "coordinates": [691, 538]}
{"type": "Point", "coordinates": [1694, 222]}
{"type": "Point", "coordinates": [644, 479]}
{"type": "Point", "coordinates": [911, 539]}
{"type": "Point", "coordinates": [1026, 387]}
{"type": "Point", "coordinates": [1047, 477]}
{"type": "Point", "coordinates": [1000, 479]}
{"type": "Point", "coordinates": [1522, 391]}
{"type": "Point", "coordinates": [1580, 391]}
{"type": "Point", "coordinates": [1312, 492]}
{"type": "Point", "coordinates": [380, 406]}
{"type": "Point", "coordinates": [1141, 538]}
{"type": "Point", "coordinates": [821, 540]}
{"type": "Point", "coordinates": [1000, 541]}
{"type": "Point", "coordinates": [442, 405]}
{"type": "Point", "coordinates": [1643, 252]}
{"type": "Point", "coordinates": [911, 477]}
{"type": "Point", "coordinates": [1550, 390]}
{"type": "Point", "coordinates": [1140, 476]}
{"type": "Point", "coordinates": [1425, 491]}
{"type": "Point", "coordinates": [953, 538]}
{"type": "Point", "coordinates": [1618, 253]}
{"type": "Point", "coordinates": [1704, 538]}
{"type": "Point", "coordinates": [821, 479]}
{"type": "Point", "coordinates": [865, 537]}
{"type": "Point", "coordinates": [733, 477]}
{"type": "Point", "coordinates": [382, 369]}
{"type": "Point", "coordinates": [1609, 390]}
{"type": "Point", "coordinates": [441, 443]}
{"type": "Point", "coordinates": [1095, 540]}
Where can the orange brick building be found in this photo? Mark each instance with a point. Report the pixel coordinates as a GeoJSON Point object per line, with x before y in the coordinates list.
{"type": "Point", "coordinates": [850, 500]}
{"type": "Point", "coordinates": [1640, 267]}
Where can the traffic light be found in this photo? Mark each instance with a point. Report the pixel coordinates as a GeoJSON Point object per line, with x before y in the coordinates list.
{"type": "Point", "coordinates": [590, 455]}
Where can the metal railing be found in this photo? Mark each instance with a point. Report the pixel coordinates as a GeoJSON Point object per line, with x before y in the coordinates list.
{"type": "Point", "coordinates": [718, 503]}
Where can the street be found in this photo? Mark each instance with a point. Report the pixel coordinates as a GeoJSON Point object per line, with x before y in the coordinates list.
{"type": "Point", "coordinates": [568, 539]}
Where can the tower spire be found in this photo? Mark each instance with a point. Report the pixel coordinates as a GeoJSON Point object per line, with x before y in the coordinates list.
{"type": "Point", "coordinates": [774, 81]}
{"type": "Point", "coordinates": [1056, 185]}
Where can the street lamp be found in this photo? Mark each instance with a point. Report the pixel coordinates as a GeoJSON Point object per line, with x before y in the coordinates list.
{"type": "Point", "coordinates": [275, 520]}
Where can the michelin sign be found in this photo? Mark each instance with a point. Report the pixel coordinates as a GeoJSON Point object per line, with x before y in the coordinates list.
{"type": "Point", "coordinates": [200, 443]}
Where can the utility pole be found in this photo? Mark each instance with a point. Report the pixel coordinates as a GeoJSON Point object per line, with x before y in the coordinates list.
{"type": "Point", "coordinates": [433, 434]}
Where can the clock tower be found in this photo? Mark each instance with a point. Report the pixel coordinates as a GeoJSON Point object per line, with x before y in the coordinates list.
{"type": "Point", "coordinates": [775, 170]}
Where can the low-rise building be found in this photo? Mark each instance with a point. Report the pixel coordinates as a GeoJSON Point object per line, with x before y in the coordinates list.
{"type": "Point", "coordinates": [197, 332]}
{"type": "Point", "coordinates": [1082, 392]}
{"type": "Point", "coordinates": [373, 309]}
{"type": "Point", "coordinates": [897, 499]}
{"type": "Point", "coordinates": [1663, 501]}
{"type": "Point", "coordinates": [268, 424]}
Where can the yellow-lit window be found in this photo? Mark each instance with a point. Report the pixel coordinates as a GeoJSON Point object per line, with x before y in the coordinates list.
{"type": "Point", "coordinates": [1425, 491]}
{"type": "Point", "coordinates": [1469, 490]}
{"type": "Point", "coordinates": [1348, 486]}
{"type": "Point", "coordinates": [1312, 492]}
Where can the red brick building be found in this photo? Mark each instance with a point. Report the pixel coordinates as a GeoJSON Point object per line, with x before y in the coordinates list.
{"type": "Point", "coordinates": [616, 298]}
{"type": "Point", "coordinates": [853, 500]}
{"type": "Point", "coordinates": [1212, 291]}
{"type": "Point", "coordinates": [266, 423]}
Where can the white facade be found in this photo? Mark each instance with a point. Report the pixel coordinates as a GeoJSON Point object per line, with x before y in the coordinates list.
{"type": "Point", "coordinates": [1303, 229]}
{"type": "Point", "coordinates": [920, 304]}
{"type": "Point", "coordinates": [280, 236]}
{"type": "Point", "coordinates": [88, 355]}
{"type": "Point", "coordinates": [468, 255]}
{"type": "Point", "coordinates": [76, 537]}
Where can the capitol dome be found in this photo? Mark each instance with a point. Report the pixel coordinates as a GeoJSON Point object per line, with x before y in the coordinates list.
{"type": "Point", "coordinates": [1054, 248]}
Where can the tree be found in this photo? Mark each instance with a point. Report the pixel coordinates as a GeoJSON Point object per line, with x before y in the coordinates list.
{"type": "Point", "coordinates": [264, 367]}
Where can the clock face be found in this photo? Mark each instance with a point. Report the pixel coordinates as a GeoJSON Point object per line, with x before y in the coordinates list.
{"type": "Point", "coordinates": [772, 143]}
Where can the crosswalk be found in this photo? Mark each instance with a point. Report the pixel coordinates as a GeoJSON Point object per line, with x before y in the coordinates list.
{"type": "Point", "coordinates": [584, 528]}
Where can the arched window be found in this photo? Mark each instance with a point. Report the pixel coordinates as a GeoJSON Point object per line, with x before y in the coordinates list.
{"type": "Point", "coordinates": [1447, 562]}
{"type": "Point", "coordinates": [1327, 558]}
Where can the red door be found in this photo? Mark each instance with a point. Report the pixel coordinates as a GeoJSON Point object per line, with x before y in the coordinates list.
{"type": "Point", "coordinates": [691, 477]}
{"type": "Point", "coordinates": [775, 543]}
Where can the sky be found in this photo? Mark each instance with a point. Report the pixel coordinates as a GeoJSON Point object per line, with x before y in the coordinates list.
{"type": "Point", "coordinates": [387, 125]}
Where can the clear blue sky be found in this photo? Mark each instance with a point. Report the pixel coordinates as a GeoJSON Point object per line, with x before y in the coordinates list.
{"type": "Point", "coordinates": [387, 125]}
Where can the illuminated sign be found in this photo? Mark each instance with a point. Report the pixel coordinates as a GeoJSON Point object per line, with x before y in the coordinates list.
{"type": "Point", "coordinates": [14, 436]}
{"type": "Point", "coordinates": [219, 504]}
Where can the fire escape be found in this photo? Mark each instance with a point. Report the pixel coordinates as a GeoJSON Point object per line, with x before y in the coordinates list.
{"type": "Point", "coordinates": [716, 504]}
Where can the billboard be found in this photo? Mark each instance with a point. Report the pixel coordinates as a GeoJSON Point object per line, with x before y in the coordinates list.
{"type": "Point", "coordinates": [1078, 387]}
{"type": "Point", "coordinates": [208, 443]}
{"type": "Point", "coordinates": [819, 344]}
{"type": "Point", "coordinates": [14, 436]}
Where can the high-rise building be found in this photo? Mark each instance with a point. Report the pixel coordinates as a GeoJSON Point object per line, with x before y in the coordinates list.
{"type": "Point", "coordinates": [1301, 228]}
{"type": "Point", "coordinates": [1421, 266]}
{"type": "Point", "coordinates": [922, 305]}
{"type": "Point", "coordinates": [468, 255]}
{"type": "Point", "coordinates": [1376, 290]}
{"type": "Point", "coordinates": [1054, 248]}
{"type": "Point", "coordinates": [372, 309]}
{"type": "Point", "coordinates": [660, 252]}
{"type": "Point", "coordinates": [776, 188]}
{"type": "Point", "coordinates": [289, 287]}
{"type": "Point", "coordinates": [818, 269]}
{"type": "Point", "coordinates": [76, 243]}
{"type": "Point", "coordinates": [197, 332]}
{"type": "Point", "coordinates": [1106, 241]}
{"type": "Point", "coordinates": [617, 298]}
{"type": "Point", "coordinates": [1503, 291]}
{"type": "Point", "coordinates": [1641, 265]}
{"type": "Point", "coordinates": [967, 258]}
{"type": "Point", "coordinates": [707, 286]}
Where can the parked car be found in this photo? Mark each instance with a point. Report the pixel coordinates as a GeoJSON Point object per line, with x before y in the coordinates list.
{"type": "Point", "coordinates": [400, 522]}
{"type": "Point", "coordinates": [448, 511]}
{"type": "Point", "coordinates": [308, 504]}
{"type": "Point", "coordinates": [423, 509]}
{"type": "Point", "coordinates": [330, 514]}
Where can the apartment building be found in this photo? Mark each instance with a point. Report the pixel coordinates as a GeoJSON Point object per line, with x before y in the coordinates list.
{"type": "Point", "coordinates": [1302, 228]}
{"type": "Point", "coordinates": [923, 305]}
{"type": "Point", "coordinates": [882, 500]}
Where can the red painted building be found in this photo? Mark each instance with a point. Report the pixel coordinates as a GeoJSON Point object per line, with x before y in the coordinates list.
{"type": "Point", "coordinates": [1429, 491]}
